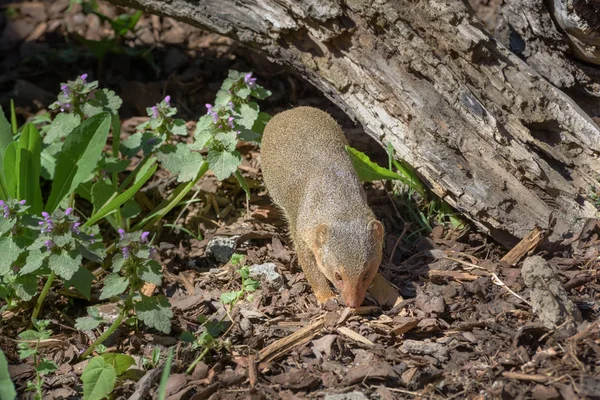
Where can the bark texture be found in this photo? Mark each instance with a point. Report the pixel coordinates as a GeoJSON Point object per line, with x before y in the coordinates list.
{"type": "Point", "coordinates": [491, 134]}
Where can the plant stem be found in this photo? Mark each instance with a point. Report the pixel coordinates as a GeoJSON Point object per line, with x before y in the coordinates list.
{"type": "Point", "coordinates": [113, 327]}
{"type": "Point", "coordinates": [116, 140]}
{"type": "Point", "coordinates": [133, 173]}
{"type": "Point", "coordinates": [197, 360]}
{"type": "Point", "coordinates": [40, 300]}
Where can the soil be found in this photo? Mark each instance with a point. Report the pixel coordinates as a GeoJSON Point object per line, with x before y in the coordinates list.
{"type": "Point", "coordinates": [455, 317]}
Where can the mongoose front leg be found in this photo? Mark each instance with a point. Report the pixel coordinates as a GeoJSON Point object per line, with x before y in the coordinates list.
{"type": "Point", "coordinates": [317, 280]}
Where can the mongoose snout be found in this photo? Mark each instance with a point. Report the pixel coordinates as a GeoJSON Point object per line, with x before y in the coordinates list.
{"type": "Point", "coordinates": [311, 178]}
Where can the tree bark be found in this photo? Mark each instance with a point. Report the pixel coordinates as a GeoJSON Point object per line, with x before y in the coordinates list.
{"type": "Point", "coordinates": [490, 134]}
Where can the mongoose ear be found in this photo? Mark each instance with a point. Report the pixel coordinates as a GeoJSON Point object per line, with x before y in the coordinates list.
{"type": "Point", "coordinates": [376, 229]}
{"type": "Point", "coordinates": [321, 234]}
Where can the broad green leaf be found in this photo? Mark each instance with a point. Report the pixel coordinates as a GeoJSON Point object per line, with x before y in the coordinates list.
{"type": "Point", "coordinates": [29, 168]}
{"type": "Point", "coordinates": [46, 366]}
{"type": "Point", "coordinates": [229, 297]}
{"type": "Point", "coordinates": [227, 139]}
{"type": "Point", "coordinates": [10, 169]}
{"type": "Point", "coordinates": [82, 281]}
{"type": "Point", "coordinates": [13, 117]}
{"type": "Point", "coordinates": [260, 92]}
{"type": "Point", "coordinates": [120, 362]}
{"type": "Point", "coordinates": [26, 287]}
{"type": "Point", "coordinates": [9, 252]}
{"type": "Point", "coordinates": [80, 153]}
{"type": "Point", "coordinates": [102, 191]}
{"type": "Point", "coordinates": [155, 312]}
{"type": "Point", "coordinates": [99, 378]}
{"type": "Point", "coordinates": [130, 209]}
{"type": "Point", "coordinates": [48, 160]}
{"type": "Point", "coordinates": [178, 128]}
{"type": "Point", "coordinates": [248, 113]}
{"type": "Point", "coordinates": [116, 202]}
{"type": "Point", "coordinates": [366, 169]}
{"type": "Point", "coordinates": [181, 161]}
{"type": "Point", "coordinates": [164, 377]}
{"type": "Point", "coordinates": [7, 388]}
{"type": "Point", "coordinates": [63, 124]}
{"type": "Point", "coordinates": [150, 271]}
{"type": "Point", "coordinates": [114, 285]}
{"type": "Point", "coordinates": [223, 163]}
{"type": "Point", "coordinates": [104, 100]}
{"type": "Point", "coordinates": [87, 323]}
{"type": "Point", "coordinates": [65, 263]}
{"type": "Point", "coordinates": [34, 261]}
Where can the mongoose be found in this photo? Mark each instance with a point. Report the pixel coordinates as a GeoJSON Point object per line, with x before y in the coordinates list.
{"type": "Point", "coordinates": [309, 175]}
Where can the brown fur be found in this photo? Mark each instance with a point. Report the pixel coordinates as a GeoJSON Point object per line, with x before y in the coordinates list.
{"type": "Point", "coordinates": [310, 176]}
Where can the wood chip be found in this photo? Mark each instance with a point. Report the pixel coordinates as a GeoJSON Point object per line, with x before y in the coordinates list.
{"type": "Point", "coordinates": [354, 336]}
{"type": "Point", "coordinates": [526, 244]}
{"type": "Point", "coordinates": [437, 275]}
{"type": "Point", "coordinates": [384, 292]}
{"type": "Point", "coordinates": [252, 372]}
{"type": "Point", "coordinates": [283, 345]}
{"type": "Point", "coordinates": [405, 326]}
{"type": "Point", "coordinates": [525, 377]}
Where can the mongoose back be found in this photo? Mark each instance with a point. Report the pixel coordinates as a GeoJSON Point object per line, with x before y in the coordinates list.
{"type": "Point", "coordinates": [311, 178]}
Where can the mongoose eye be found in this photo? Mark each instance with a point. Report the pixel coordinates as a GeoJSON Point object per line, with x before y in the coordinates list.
{"type": "Point", "coordinates": [338, 276]}
{"type": "Point", "coordinates": [366, 277]}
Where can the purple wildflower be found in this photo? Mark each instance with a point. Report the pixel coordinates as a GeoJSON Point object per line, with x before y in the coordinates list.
{"type": "Point", "coordinates": [230, 122]}
{"type": "Point", "coordinates": [208, 108]}
{"type": "Point", "coordinates": [125, 251]}
{"type": "Point", "coordinates": [45, 215]}
{"type": "Point", "coordinates": [92, 240]}
{"type": "Point", "coordinates": [155, 113]}
{"type": "Point", "coordinates": [84, 77]}
{"type": "Point", "coordinates": [144, 237]}
{"type": "Point", "coordinates": [6, 211]}
{"type": "Point", "coordinates": [249, 80]}
{"type": "Point", "coordinates": [215, 117]}
{"type": "Point", "coordinates": [230, 104]}
{"type": "Point", "coordinates": [49, 245]}
{"type": "Point", "coordinates": [168, 99]}
{"type": "Point", "coordinates": [75, 227]}
{"type": "Point", "coordinates": [237, 133]}
{"type": "Point", "coordinates": [68, 211]}
{"type": "Point", "coordinates": [66, 90]}
{"type": "Point", "coordinates": [23, 202]}
{"type": "Point", "coordinates": [220, 126]}
{"type": "Point", "coordinates": [122, 233]}
{"type": "Point", "coordinates": [65, 107]}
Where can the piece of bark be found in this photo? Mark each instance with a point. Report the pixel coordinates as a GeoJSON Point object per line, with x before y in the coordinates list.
{"type": "Point", "coordinates": [527, 244]}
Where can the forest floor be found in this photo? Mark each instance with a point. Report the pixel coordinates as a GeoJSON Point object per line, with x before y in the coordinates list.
{"type": "Point", "coordinates": [459, 319]}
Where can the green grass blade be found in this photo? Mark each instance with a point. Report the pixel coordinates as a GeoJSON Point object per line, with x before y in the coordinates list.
{"type": "Point", "coordinates": [113, 204]}
{"type": "Point", "coordinates": [162, 387]}
{"type": "Point", "coordinates": [78, 157]}
{"type": "Point", "coordinates": [10, 169]}
{"type": "Point", "coordinates": [29, 168]}
{"type": "Point", "coordinates": [6, 138]}
{"type": "Point", "coordinates": [13, 118]}
{"type": "Point", "coordinates": [366, 169]}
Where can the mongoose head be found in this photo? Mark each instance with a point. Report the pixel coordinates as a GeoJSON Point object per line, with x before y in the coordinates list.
{"type": "Point", "coordinates": [348, 252]}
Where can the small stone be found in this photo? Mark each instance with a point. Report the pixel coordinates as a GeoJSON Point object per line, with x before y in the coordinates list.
{"type": "Point", "coordinates": [267, 272]}
{"type": "Point", "coordinates": [541, 392]}
{"type": "Point", "coordinates": [346, 396]}
{"type": "Point", "coordinates": [221, 248]}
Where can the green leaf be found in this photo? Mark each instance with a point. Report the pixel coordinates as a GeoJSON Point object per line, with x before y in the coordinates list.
{"type": "Point", "coordinates": [366, 169]}
{"type": "Point", "coordinates": [178, 128]}
{"type": "Point", "coordinates": [82, 281]}
{"type": "Point", "coordinates": [155, 312]}
{"type": "Point", "coordinates": [34, 261]}
{"type": "Point", "coordinates": [104, 100]}
{"type": "Point", "coordinates": [150, 272]}
{"type": "Point", "coordinates": [7, 388]}
{"type": "Point", "coordinates": [13, 117]}
{"type": "Point", "coordinates": [99, 379]}
{"type": "Point", "coordinates": [87, 323]}
{"type": "Point", "coordinates": [261, 122]}
{"type": "Point", "coordinates": [116, 202]}
{"type": "Point", "coordinates": [102, 191]}
{"type": "Point", "coordinates": [9, 253]}
{"type": "Point", "coordinates": [114, 285]}
{"type": "Point", "coordinates": [80, 153]}
{"type": "Point", "coordinates": [243, 183]}
{"type": "Point", "coordinates": [46, 366]}
{"type": "Point", "coordinates": [164, 377]}
{"type": "Point", "coordinates": [29, 168]}
{"type": "Point", "coordinates": [48, 160]}
{"type": "Point", "coordinates": [63, 124]}
{"type": "Point", "coordinates": [227, 139]}
{"type": "Point", "coordinates": [181, 161]}
{"type": "Point", "coordinates": [10, 169]}
{"type": "Point", "coordinates": [65, 264]}
{"type": "Point", "coordinates": [260, 92]}
{"type": "Point", "coordinates": [6, 138]}
{"type": "Point", "coordinates": [130, 209]}
{"type": "Point", "coordinates": [120, 362]}
{"type": "Point", "coordinates": [230, 297]}
{"type": "Point", "coordinates": [26, 287]}
{"type": "Point", "coordinates": [247, 115]}
{"type": "Point", "coordinates": [223, 163]}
